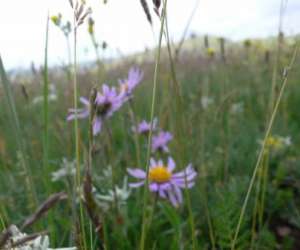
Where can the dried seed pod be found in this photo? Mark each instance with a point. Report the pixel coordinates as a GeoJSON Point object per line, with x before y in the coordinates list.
{"type": "Point", "coordinates": [157, 3]}
{"type": "Point", "coordinates": [146, 10]}
{"type": "Point", "coordinates": [71, 3]}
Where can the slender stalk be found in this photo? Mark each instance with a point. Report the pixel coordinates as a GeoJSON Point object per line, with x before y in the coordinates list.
{"type": "Point", "coordinates": [136, 136]}
{"type": "Point", "coordinates": [76, 132]}
{"type": "Point", "coordinates": [146, 191]}
{"type": "Point", "coordinates": [265, 172]}
{"type": "Point", "coordinates": [46, 101]}
{"type": "Point", "coordinates": [2, 221]}
{"type": "Point", "coordinates": [277, 58]}
{"type": "Point", "coordinates": [261, 153]}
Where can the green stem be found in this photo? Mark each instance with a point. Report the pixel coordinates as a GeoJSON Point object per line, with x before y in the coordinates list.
{"type": "Point", "coordinates": [136, 136]}
{"type": "Point", "coordinates": [76, 133]}
{"type": "Point", "coordinates": [19, 137]}
{"type": "Point", "coordinates": [243, 210]}
{"type": "Point", "coordinates": [46, 102]}
{"type": "Point", "coordinates": [146, 191]}
{"type": "Point", "coordinates": [264, 187]}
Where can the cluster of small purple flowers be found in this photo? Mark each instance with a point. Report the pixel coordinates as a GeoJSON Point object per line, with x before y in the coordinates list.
{"type": "Point", "coordinates": [161, 178]}
{"type": "Point", "coordinates": [108, 101]}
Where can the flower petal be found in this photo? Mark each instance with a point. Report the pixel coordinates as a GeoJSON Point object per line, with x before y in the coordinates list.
{"type": "Point", "coordinates": [137, 173]}
{"type": "Point", "coordinates": [96, 126]}
{"type": "Point", "coordinates": [154, 187]}
{"type": "Point", "coordinates": [136, 184]}
{"type": "Point", "coordinates": [172, 198]}
{"type": "Point", "coordinates": [84, 101]}
{"type": "Point", "coordinates": [178, 193]}
{"type": "Point", "coordinates": [171, 164]}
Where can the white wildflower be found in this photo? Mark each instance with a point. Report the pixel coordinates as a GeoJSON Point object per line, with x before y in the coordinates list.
{"type": "Point", "coordinates": [237, 108]}
{"type": "Point", "coordinates": [121, 194]}
{"type": "Point", "coordinates": [68, 168]}
{"type": "Point", "coordinates": [52, 96]}
{"type": "Point", "coordinates": [206, 101]}
{"type": "Point", "coordinates": [276, 142]}
{"type": "Point", "coordinates": [39, 243]}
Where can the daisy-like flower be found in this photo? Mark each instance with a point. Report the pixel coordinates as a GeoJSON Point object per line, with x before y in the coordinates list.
{"type": "Point", "coordinates": [160, 141]}
{"type": "Point", "coordinates": [163, 181]}
{"type": "Point", "coordinates": [134, 78]}
{"type": "Point", "coordinates": [106, 103]}
{"type": "Point", "coordinates": [276, 142]}
{"type": "Point", "coordinates": [144, 127]}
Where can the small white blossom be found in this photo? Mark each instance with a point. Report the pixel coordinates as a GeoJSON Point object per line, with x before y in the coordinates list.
{"type": "Point", "coordinates": [39, 243]}
{"type": "Point", "coordinates": [206, 101]}
{"type": "Point", "coordinates": [52, 96]}
{"type": "Point", "coordinates": [237, 108]}
{"type": "Point", "coordinates": [67, 169]}
{"type": "Point", "coordinates": [121, 194]}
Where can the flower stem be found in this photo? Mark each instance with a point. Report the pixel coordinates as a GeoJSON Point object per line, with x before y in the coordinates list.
{"type": "Point", "coordinates": [146, 192]}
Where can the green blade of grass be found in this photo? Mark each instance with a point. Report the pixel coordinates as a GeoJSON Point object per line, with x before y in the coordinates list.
{"type": "Point", "coordinates": [46, 101]}
{"type": "Point", "coordinates": [19, 139]}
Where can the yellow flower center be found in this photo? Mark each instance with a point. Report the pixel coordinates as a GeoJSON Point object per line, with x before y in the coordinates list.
{"type": "Point", "coordinates": [273, 142]}
{"type": "Point", "coordinates": [159, 174]}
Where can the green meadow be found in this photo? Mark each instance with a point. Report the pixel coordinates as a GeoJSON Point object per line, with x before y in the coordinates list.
{"type": "Point", "coordinates": [231, 108]}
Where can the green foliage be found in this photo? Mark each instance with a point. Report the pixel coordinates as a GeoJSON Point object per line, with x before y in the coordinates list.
{"type": "Point", "coordinates": [225, 214]}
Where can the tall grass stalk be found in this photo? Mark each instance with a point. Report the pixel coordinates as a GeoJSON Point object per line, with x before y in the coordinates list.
{"type": "Point", "coordinates": [277, 57]}
{"type": "Point", "coordinates": [258, 203]}
{"type": "Point", "coordinates": [136, 135]}
{"type": "Point", "coordinates": [146, 191]}
{"type": "Point", "coordinates": [46, 101]}
{"type": "Point", "coordinates": [261, 153]}
{"type": "Point", "coordinates": [2, 224]}
{"type": "Point", "coordinates": [76, 132]}
{"type": "Point", "coordinates": [18, 134]}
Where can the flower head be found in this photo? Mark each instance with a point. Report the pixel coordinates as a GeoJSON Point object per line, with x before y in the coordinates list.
{"type": "Point", "coordinates": [68, 169]}
{"type": "Point", "coordinates": [145, 127]}
{"type": "Point", "coordinates": [211, 52]}
{"type": "Point", "coordinates": [276, 143]}
{"type": "Point", "coordinates": [206, 101]}
{"type": "Point", "coordinates": [119, 193]}
{"type": "Point", "coordinates": [106, 103]}
{"type": "Point", "coordinates": [160, 141]}
{"type": "Point", "coordinates": [134, 78]}
{"type": "Point", "coordinates": [163, 181]}
{"type": "Point", "coordinates": [237, 108]}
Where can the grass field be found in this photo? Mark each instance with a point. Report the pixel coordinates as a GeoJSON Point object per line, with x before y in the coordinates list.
{"type": "Point", "coordinates": [233, 115]}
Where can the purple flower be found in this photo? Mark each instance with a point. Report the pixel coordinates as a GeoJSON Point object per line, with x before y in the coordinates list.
{"type": "Point", "coordinates": [160, 141]}
{"type": "Point", "coordinates": [145, 127]}
{"type": "Point", "coordinates": [163, 181]}
{"type": "Point", "coordinates": [135, 76]}
{"type": "Point", "coordinates": [106, 103]}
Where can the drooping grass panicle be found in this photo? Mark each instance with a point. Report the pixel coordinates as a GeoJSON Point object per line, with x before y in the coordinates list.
{"type": "Point", "coordinates": [44, 208]}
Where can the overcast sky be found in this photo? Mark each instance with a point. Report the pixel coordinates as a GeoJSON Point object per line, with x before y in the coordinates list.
{"type": "Point", "coordinates": [123, 25]}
